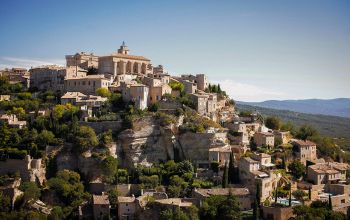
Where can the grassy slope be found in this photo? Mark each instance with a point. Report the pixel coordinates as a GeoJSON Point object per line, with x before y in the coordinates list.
{"type": "Point", "coordinates": [331, 126]}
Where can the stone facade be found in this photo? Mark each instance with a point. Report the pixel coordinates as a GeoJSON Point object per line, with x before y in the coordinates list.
{"type": "Point", "coordinates": [123, 63]}
{"type": "Point", "coordinates": [100, 206]}
{"type": "Point", "coordinates": [323, 173]}
{"type": "Point", "coordinates": [305, 150]}
{"type": "Point", "coordinates": [86, 84]}
{"type": "Point", "coordinates": [264, 139]}
{"type": "Point", "coordinates": [82, 60]}
{"type": "Point", "coordinates": [30, 169]}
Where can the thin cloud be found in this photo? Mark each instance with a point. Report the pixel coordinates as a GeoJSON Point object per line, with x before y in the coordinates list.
{"type": "Point", "coordinates": [8, 62]}
{"type": "Point", "coordinates": [248, 92]}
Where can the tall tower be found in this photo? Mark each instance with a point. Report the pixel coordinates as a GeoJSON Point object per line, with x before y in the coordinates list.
{"type": "Point", "coordinates": [123, 49]}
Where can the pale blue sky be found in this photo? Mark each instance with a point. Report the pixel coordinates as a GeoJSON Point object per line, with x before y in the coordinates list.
{"type": "Point", "coordinates": [257, 50]}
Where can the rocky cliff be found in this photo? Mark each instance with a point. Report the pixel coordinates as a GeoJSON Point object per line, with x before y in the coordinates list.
{"type": "Point", "coordinates": [150, 142]}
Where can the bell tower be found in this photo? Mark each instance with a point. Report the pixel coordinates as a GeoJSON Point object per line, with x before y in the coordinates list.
{"type": "Point", "coordinates": [123, 49]}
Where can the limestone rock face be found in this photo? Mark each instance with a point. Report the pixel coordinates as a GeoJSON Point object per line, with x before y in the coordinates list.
{"type": "Point", "coordinates": [145, 144]}
{"type": "Point", "coordinates": [148, 142]}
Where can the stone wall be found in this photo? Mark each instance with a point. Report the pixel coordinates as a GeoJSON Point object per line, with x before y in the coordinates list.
{"type": "Point", "coordinates": [30, 169]}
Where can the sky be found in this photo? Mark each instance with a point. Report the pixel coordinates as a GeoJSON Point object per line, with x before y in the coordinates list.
{"type": "Point", "coordinates": [257, 50]}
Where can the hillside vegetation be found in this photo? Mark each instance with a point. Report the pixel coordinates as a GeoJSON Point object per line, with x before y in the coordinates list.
{"type": "Point", "coordinates": [332, 126]}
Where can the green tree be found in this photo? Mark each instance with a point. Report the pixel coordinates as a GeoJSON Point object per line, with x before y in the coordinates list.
{"type": "Point", "coordinates": [104, 92]}
{"type": "Point", "coordinates": [231, 170]}
{"type": "Point", "coordinates": [109, 168]}
{"type": "Point", "coordinates": [297, 169]}
{"type": "Point", "coordinates": [113, 197]}
{"type": "Point", "coordinates": [31, 191]}
{"type": "Point", "coordinates": [273, 123]}
{"type": "Point", "coordinates": [224, 182]}
{"type": "Point", "coordinates": [299, 195]}
{"type": "Point", "coordinates": [306, 132]}
{"type": "Point", "coordinates": [5, 203]}
{"type": "Point", "coordinates": [85, 138]}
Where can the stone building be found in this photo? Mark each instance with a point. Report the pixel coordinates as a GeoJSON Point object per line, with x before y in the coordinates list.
{"type": "Point", "coordinates": [252, 173]}
{"type": "Point", "coordinates": [205, 103]}
{"type": "Point", "coordinates": [305, 150]}
{"type": "Point", "coordinates": [327, 173]}
{"type": "Point", "coordinates": [100, 206]}
{"type": "Point", "coordinates": [49, 77]}
{"type": "Point", "coordinates": [79, 99]}
{"type": "Point", "coordinates": [157, 88]}
{"type": "Point", "coordinates": [242, 193]}
{"type": "Point", "coordinates": [284, 136]}
{"type": "Point", "coordinates": [16, 75]}
{"type": "Point", "coordinates": [30, 169]}
{"type": "Point", "coordinates": [123, 63]}
{"type": "Point", "coordinates": [126, 208]}
{"type": "Point", "coordinates": [13, 121]}
{"type": "Point", "coordinates": [86, 84]}
{"type": "Point", "coordinates": [200, 79]}
{"type": "Point", "coordinates": [137, 93]}
{"type": "Point", "coordinates": [82, 60]}
{"type": "Point", "coordinates": [220, 154]}
{"type": "Point", "coordinates": [264, 139]}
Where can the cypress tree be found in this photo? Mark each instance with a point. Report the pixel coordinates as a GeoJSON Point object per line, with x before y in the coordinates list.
{"type": "Point", "coordinates": [330, 202]}
{"type": "Point", "coordinates": [290, 197]}
{"type": "Point", "coordinates": [231, 170]}
{"type": "Point", "coordinates": [258, 192]}
{"type": "Point", "coordinates": [283, 162]}
{"type": "Point", "coordinates": [225, 177]}
{"type": "Point", "coordinates": [276, 194]}
{"type": "Point", "coordinates": [256, 210]}
{"type": "Point", "coordinates": [309, 193]}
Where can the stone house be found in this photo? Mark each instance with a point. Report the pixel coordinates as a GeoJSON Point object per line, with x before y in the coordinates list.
{"type": "Point", "coordinates": [16, 75]}
{"type": "Point", "coordinates": [220, 154]}
{"type": "Point", "coordinates": [200, 79]}
{"type": "Point", "coordinates": [327, 173]}
{"type": "Point", "coordinates": [205, 103]}
{"type": "Point", "coordinates": [157, 88]}
{"type": "Point", "coordinates": [264, 139]}
{"type": "Point", "coordinates": [242, 193]}
{"type": "Point", "coordinates": [86, 84]}
{"type": "Point", "coordinates": [138, 93]}
{"type": "Point", "coordinates": [13, 121]}
{"type": "Point", "coordinates": [304, 150]}
{"type": "Point", "coordinates": [126, 208]}
{"type": "Point", "coordinates": [264, 160]}
{"type": "Point", "coordinates": [100, 206]}
{"type": "Point", "coordinates": [79, 99]}
{"type": "Point", "coordinates": [82, 60]}
{"type": "Point", "coordinates": [5, 98]}
{"type": "Point", "coordinates": [277, 212]}
{"type": "Point", "coordinates": [284, 136]}
{"type": "Point", "coordinates": [251, 174]}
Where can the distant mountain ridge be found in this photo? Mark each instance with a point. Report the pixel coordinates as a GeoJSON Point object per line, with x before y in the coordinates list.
{"type": "Point", "coordinates": [335, 107]}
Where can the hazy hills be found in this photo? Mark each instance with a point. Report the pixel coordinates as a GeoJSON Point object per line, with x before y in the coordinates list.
{"type": "Point", "coordinates": [336, 107]}
{"type": "Point", "coordinates": [332, 126]}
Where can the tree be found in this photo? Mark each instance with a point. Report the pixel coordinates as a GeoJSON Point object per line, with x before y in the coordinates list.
{"type": "Point", "coordinates": [109, 168]}
{"type": "Point", "coordinates": [224, 182]}
{"type": "Point", "coordinates": [56, 213]}
{"type": "Point", "coordinates": [113, 197]}
{"type": "Point", "coordinates": [231, 170]}
{"type": "Point", "coordinates": [306, 132]}
{"type": "Point", "coordinates": [273, 123]}
{"type": "Point", "coordinates": [104, 92]}
{"type": "Point", "coordinates": [5, 203]}
{"type": "Point", "coordinates": [220, 207]}
{"type": "Point", "coordinates": [31, 191]}
{"type": "Point", "coordinates": [330, 206]}
{"type": "Point", "coordinates": [85, 138]}
{"type": "Point", "coordinates": [230, 209]}
{"type": "Point", "coordinates": [297, 169]}
{"type": "Point", "coordinates": [258, 194]}
{"type": "Point", "coordinates": [299, 195]}
{"type": "Point", "coordinates": [68, 189]}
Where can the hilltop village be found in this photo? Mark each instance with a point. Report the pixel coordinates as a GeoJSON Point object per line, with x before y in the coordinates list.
{"type": "Point", "coordinates": [114, 137]}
